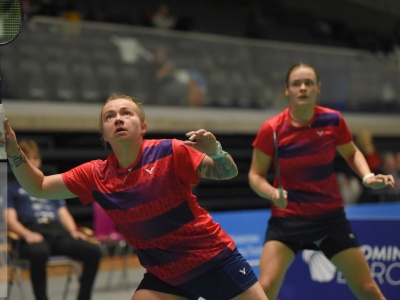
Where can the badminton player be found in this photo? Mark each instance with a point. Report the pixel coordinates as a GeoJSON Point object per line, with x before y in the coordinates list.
{"type": "Point", "coordinates": [310, 213]}
{"type": "Point", "coordinates": [145, 187]}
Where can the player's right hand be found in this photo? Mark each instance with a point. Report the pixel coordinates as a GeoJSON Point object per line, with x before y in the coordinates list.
{"type": "Point", "coordinates": [279, 197]}
{"type": "Point", "coordinates": [10, 139]}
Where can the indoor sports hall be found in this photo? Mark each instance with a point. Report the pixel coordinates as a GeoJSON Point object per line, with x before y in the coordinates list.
{"type": "Point", "coordinates": [227, 62]}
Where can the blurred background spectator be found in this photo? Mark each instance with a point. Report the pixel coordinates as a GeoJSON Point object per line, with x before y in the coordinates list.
{"type": "Point", "coordinates": [350, 187]}
{"type": "Point", "coordinates": [373, 27]}
{"type": "Point", "coordinates": [379, 162]}
{"type": "Point", "coordinates": [162, 18]}
{"type": "Point", "coordinates": [385, 162]}
{"type": "Point", "coordinates": [390, 165]}
{"type": "Point", "coordinates": [176, 85]}
{"type": "Point", "coordinates": [366, 144]}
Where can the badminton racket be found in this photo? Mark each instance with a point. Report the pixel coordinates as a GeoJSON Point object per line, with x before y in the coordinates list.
{"type": "Point", "coordinates": [11, 17]}
{"type": "Point", "coordinates": [277, 167]}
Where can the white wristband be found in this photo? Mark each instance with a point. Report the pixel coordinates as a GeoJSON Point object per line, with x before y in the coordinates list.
{"type": "Point", "coordinates": [366, 176]}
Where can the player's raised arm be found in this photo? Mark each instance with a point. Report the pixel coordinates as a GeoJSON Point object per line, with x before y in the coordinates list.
{"type": "Point", "coordinates": [31, 178]}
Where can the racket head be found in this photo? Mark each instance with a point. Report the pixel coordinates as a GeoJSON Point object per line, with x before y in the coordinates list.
{"type": "Point", "coordinates": [11, 18]}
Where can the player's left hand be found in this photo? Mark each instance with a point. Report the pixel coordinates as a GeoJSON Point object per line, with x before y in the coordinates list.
{"type": "Point", "coordinates": [379, 181]}
{"type": "Point", "coordinates": [202, 140]}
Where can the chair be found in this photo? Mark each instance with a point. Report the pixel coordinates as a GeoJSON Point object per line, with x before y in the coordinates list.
{"type": "Point", "coordinates": [108, 236]}
{"type": "Point", "coordinates": [16, 265]}
{"type": "Point", "coordinates": [4, 250]}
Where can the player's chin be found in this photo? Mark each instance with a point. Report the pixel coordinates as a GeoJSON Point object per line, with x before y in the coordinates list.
{"type": "Point", "coordinates": [121, 135]}
{"type": "Point", "coordinates": [304, 101]}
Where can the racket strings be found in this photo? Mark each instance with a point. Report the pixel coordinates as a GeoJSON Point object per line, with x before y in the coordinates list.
{"type": "Point", "coordinates": [10, 20]}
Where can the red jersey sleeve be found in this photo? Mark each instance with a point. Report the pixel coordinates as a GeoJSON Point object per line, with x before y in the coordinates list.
{"type": "Point", "coordinates": [264, 140]}
{"type": "Point", "coordinates": [78, 181]}
{"type": "Point", "coordinates": [344, 135]}
{"type": "Point", "coordinates": [187, 160]}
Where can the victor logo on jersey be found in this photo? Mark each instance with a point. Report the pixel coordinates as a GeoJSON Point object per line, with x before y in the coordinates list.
{"type": "Point", "coordinates": [150, 170]}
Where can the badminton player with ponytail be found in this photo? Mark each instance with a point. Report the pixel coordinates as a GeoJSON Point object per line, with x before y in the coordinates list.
{"type": "Point", "coordinates": [145, 188]}
{"type": "Point", "coordinates": [307, 209]}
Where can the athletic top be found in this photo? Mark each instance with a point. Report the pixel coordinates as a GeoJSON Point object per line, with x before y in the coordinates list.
{"type": "Point", "coordinates": [306, 157]}
{"type": "Point", "coordinates": [30, 209]}
{"type": "Point", "coordinates": [175, 239]}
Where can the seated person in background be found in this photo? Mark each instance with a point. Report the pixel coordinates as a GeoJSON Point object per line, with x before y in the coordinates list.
{"type": "Point", "coordinates": [379, 162]}
{"type": "Point", "coordinates": [350, 187]}
{"type": "Point", "coordinates": [47, 228]}
{"type": "Point", "coordinates": [390, 165]}
{"type": "Point", "coordinates": [174, 85]}
{"type": "Point", "coordinates": [162, 17]}
{"type": "Point", "coordinates": [365, 141]}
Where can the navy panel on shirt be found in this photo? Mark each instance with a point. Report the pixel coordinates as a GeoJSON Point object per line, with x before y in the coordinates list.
{"type": "Point", "coordinates": [306, 197]}
{"type": "Point", "coordinates": [162, 224]}
{"type": "Point", "coordinates": [153, 153]}
{"type": "Point", "coordinates": [299, 149]}
{"type": "Point", "coordinates": [312, 173]}
{"type": "Point", "coordinates": [138, 195]}
{"type": "Point", "coordinates": [326, 119]}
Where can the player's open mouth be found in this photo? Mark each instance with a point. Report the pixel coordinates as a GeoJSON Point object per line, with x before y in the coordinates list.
{"type": "Point", "coordinates": [120, 129]}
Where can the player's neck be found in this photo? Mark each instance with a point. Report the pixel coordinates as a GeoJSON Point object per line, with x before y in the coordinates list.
{"type": "Point", "coordinates": [300, 118]}
{"type": "Point", "coordinates": [126, 156]}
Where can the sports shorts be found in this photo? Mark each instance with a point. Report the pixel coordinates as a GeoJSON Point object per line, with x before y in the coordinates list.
{"type": "Point", "coordinates": [231, 277]}
{"type": "Point", "coordinates": [330, 235]}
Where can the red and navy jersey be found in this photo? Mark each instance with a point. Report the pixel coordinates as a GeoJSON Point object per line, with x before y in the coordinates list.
{"type": "Point", "coordinates": [306, 157]}
{"type": "Point", "coordinates": [174, 238]}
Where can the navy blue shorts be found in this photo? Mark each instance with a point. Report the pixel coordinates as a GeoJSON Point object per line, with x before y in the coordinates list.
{"type": "Point", "coordinates": [330, 235]}
{"type": "Point", "coordinates": [231, 277]}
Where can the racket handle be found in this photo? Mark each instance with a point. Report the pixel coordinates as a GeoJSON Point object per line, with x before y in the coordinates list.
{"type": "Point", "coordinates": [280, 192]}
{"type": "Point", "coordinates": [3, 154]}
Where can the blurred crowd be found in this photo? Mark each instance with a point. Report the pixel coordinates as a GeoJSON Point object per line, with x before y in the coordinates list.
{"type": "Point", "coordinates": [270, 19]}
{"type": "Point", "coordinates": [380, 162]}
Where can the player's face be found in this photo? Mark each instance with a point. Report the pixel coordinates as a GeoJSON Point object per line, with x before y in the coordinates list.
{"type": "Point", "coordinates": [121, 119]}
{"type": "Point", "coordinates": [303, 87]}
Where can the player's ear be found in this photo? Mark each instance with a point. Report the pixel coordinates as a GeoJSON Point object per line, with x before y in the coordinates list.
{"type": "Point", "coordinates": [143, 129]}
{"type": "Point", "coordinates": [286, 91]}
{"type": "Point", "coordinates": [103, 139]}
